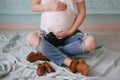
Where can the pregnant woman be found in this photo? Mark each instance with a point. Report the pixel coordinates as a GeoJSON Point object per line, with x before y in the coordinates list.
{"type": "Point", "coordinates": [59, 25]}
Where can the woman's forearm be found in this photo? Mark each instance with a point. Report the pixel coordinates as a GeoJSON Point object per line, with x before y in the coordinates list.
{"type": "Point", "coordinates": [52, 6]}
{"type": "Point", "coordinates": [79, 20]}
{"type": "Point", "coordinates": [38, 7]}
{"type": "Point", "coordinates": [80, 17]}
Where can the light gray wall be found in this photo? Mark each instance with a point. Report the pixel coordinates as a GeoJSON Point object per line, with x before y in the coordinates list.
{"type": "Point", "coordinates": [98, 11]}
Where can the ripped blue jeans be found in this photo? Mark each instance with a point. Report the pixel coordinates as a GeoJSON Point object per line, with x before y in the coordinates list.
{"type": "Point", "coordinates": [71, 45]}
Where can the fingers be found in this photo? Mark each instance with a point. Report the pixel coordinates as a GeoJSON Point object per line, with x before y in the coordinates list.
{"type": "Point", "coordinates": [61, 6]}
{"type": "Point", "coordinates": [57, 6]}
{"type": "Point", "coordinates": [60, 35]}
{"type": "Point", "coordinates": [57, 34]}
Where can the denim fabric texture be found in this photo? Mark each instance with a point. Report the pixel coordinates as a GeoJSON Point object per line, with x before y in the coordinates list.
{"type": "Point", "coordinates": [72, 45]}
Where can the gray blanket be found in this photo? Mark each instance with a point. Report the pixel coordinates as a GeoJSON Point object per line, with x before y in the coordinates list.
{"type": "Point", "coordinates": [104, 64]}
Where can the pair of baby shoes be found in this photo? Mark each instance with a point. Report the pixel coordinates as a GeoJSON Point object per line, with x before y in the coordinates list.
{"type": "Point", "coordinates": [44, 67]}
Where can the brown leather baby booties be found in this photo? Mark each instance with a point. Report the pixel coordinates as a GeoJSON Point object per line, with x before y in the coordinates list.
{"type": "Point", "coordinates": [40, 69]}
{"type": "Point", "coordinates": [32, 56]}
{"type": "Point", "coordinates": [44, 67]}
{"type": "Point", "coordinates": [79, 66]}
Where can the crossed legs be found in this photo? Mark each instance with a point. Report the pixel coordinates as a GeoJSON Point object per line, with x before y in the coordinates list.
{"type": "Point", "coordinates": [89, 44]}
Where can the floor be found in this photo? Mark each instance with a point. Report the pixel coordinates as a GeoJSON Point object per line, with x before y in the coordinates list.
{"type": "Point", "coordinates": [107, 34]}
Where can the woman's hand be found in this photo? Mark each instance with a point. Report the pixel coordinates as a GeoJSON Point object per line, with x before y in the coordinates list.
{"type": "Point", "coordinates": [62, 34]}
{"type": "Point", "coordinates": [57, 6]}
